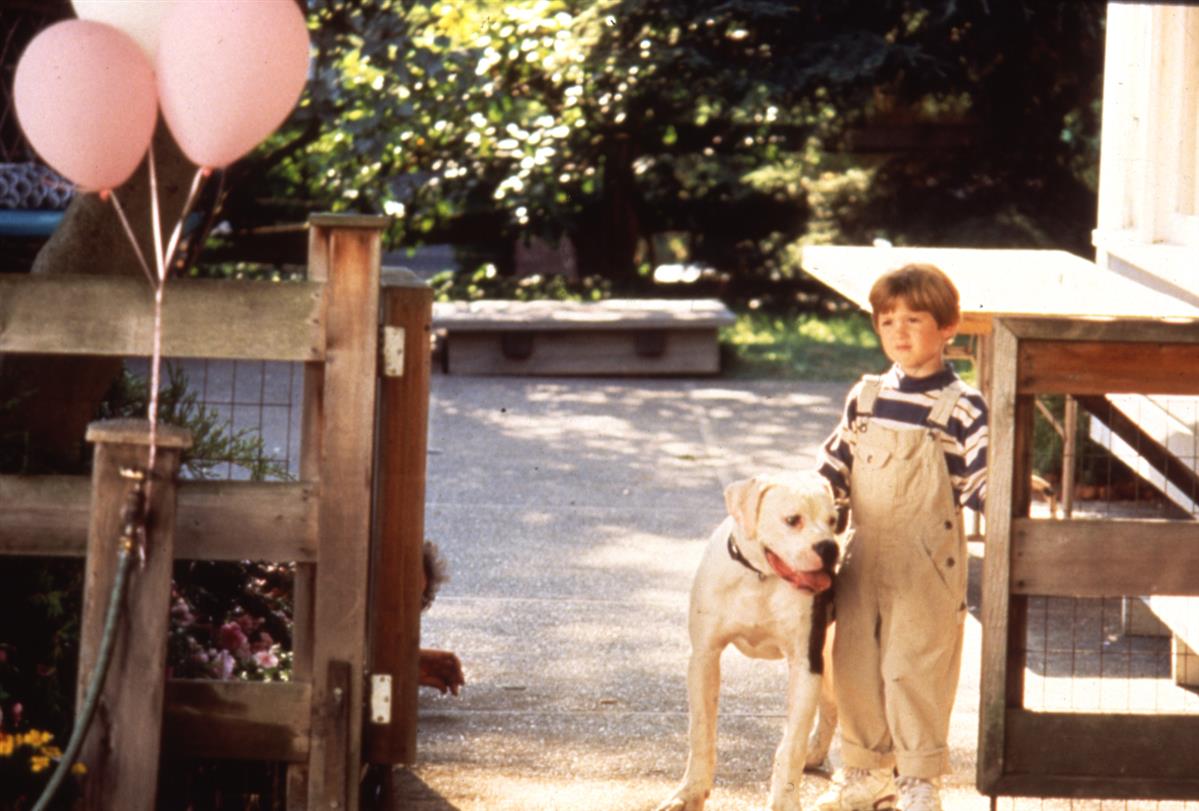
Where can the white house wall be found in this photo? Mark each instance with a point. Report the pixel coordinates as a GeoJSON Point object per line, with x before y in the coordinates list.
{"type": "Point", "coordinates": [1148, 217]}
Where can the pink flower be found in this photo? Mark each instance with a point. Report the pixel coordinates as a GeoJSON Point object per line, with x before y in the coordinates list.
{"type": "Point", "coordinates": [266, 660]}
{"type": "Point", "coordinates": [234, 640]}
{"type": "Point", "coordinates": [182, 613]}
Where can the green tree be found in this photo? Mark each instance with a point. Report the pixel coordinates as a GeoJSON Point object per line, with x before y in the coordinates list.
{"type": "Point", "coordinates": [749, 125]}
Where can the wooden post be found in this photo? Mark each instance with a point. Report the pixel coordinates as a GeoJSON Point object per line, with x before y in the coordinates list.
{"type": "Point", "coordinates": [344, 252]}
{"type": "Point", "coordinates": [1003, 448]}
{"type": "Point", "coordinates": [122, 746]}
{"type": "Point", "coordinates": [1069, 456]}
{"type": "Point", "coordinates": [397, 575]}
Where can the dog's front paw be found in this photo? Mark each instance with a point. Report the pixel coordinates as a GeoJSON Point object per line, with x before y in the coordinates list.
{"type": "Point", "coordinates": [440, 669]}
{"type": "Point", "coordinates": [684, 799]}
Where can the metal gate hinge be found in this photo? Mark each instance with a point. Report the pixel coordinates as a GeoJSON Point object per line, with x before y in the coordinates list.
{"type": "Point", "coordinates": [393, 351]}
{"type": "Point", "coordinates": [381, 698]}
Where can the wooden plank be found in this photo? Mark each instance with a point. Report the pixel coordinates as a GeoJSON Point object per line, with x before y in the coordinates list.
{"type": "Point", "coordinates": [587, 352]}
{"type": "Point", "coordinates": [304, 583]}
{"type": "Point", "coordinates": [352, 258]}
{"type": "Point", "coordinates": [994, 283]}
{"type": "Point", "coordinates": [237, 720]}
{"type": "Point", "coordinates": [1021, 499]}
{"type": "Point", "coordinates": [1120, 330]}
{"type": "Point", "coordinates": [225, 520]}
{"type": "Point", "coordinates": [995, 587]}
{"type": "Point", "coordinates": [1176, 471]}
{"type": "Point", "coordinates": [122, 744]}
{"type": "Point", "coordinates": [340, 777]}
{"type": "Point", "coordinates": [44, 515]}
{"type": "Point", "coordinates": [1104, 755]}
{"type": "Point", "coordinates": [1104, 558]}
{"type": "Point", "coordinates": [494, 315]}
{"type": "Point", "coordinates": [1075, 367]}
{"type": "Point", "coordinates": [1113, 787]}
{"type": "Point", "coordinates": [1069, 454]}
{"type": "Point", "coordinates": [106, 315]}
{"type": "Point", "coordinates": [396, 573]}
{"type": "Point", "coordinates": [368, 222]}
{"type": "Point", "coordinates": [215, 520]}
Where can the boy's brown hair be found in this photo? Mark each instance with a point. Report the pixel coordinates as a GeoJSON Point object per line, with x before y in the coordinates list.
{"type": "Point", "coordinates": [921, 287]}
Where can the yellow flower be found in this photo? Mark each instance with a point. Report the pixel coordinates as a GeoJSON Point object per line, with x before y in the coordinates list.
{"type": "Point", "coordinates": [38, 763]}
{"type": "Point", "coordinates": [79, 769]}
{"type": "Point", "coordinates": [34, 738]}
{"type": "Point", "coordinates": [7, 744]}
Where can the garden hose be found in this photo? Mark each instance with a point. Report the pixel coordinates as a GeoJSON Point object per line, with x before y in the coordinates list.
{"type": "Point", "coordinates": [132, 516]}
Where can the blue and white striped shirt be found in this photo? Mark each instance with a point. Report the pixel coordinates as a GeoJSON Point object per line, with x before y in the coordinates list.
{"type": "Point", "coordinates": [904, 403]}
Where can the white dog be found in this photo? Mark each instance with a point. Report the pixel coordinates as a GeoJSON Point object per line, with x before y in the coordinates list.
{"type": "Point", "coordinates": [757, 588]}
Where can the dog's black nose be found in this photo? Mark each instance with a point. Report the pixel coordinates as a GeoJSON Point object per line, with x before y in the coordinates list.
{"type": "Point", "coordinates": [828, 553]}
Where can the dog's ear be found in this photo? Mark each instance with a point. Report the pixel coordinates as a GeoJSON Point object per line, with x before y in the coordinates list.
{"type": "Point", "coordinates": [742, 499]}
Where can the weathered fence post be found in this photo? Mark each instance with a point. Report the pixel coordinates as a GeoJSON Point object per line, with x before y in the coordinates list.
{"type": "Point", "coordinates": [400, 517]}
{"type": "Point", "coordinates": [122, 747]}
{"type": "Point", "coordinates": [344, 252]}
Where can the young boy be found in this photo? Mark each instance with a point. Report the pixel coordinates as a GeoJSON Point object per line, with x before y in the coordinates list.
{"type": "Point", "coordinates": [910, 452]}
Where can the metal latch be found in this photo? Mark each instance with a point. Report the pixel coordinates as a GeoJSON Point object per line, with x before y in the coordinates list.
{"type": "Point", "coordinates": [393, 351]}
{"type": "Point", "coordinates": [381, 698]}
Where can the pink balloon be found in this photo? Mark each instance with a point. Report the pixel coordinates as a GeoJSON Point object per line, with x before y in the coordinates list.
{"type": "Point", "coordinates": [85, 96]}
{"type": "Point", "coordinates": [229, 72]}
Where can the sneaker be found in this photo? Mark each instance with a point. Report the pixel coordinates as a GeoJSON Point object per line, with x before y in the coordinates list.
{"type": "Point", "coordinates": [917, 794]}
{"type": "Point", "coordinates": [859, 790]}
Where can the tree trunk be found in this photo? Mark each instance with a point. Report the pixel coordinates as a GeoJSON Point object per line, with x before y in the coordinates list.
{"type": "Point", "coordinates": [607, 238]}
{"type": "Point", "coordinates": [47, 401]}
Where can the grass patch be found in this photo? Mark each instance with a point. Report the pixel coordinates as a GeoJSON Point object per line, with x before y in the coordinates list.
{"type": "Point", "coordinates": [807, 346]}
{"type": "Point", "coordinates": [837, 348]}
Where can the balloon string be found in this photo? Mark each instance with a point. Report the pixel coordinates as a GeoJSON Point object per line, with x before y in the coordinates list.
{"type": "Point", "coordinates": [201, 173]}
{"type": "Point", "coordinates": [137, 249]}
{"type": "Point", "coordinates": [162, 263]}
{"type": "Point", "coordinates": [156, 219]}
{"type": "Point", "coordinates": [156, 351]}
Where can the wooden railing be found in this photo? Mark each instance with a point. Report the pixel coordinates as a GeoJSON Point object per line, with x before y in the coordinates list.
{"type": "Point", "coordinates": [332, 324]}
{"type": "Point", "coordinates": [1111, 753]}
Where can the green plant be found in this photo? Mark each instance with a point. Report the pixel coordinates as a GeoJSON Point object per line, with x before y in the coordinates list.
{"type": "Point", "coordinates": [213, 442]}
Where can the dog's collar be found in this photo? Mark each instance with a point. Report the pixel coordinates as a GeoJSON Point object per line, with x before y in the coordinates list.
{"type": "Point", "coordinates": [735, 554]}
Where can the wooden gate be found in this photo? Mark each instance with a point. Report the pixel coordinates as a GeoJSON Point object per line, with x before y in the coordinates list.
{"type": "Point", "coordinates": [323, 522]}
{"type": "Point", "coordinates": [1094, 751]}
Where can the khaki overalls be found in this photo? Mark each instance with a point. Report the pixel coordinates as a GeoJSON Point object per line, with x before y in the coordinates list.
{"type": "Point", "coordinates": [901, 596]}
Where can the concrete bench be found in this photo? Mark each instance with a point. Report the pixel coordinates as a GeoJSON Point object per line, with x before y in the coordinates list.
{"type": "Point", "coordinates": [612, 337]}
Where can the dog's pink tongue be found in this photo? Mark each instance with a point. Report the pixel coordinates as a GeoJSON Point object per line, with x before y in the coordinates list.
{"type": "Point", "coordinates": [815, 582]}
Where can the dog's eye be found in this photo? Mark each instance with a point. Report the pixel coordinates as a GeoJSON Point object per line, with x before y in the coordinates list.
{"type": "Point", "coordinates": [795, 521]}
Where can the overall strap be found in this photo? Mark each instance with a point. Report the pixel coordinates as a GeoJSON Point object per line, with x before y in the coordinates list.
{"type": "Point", "coordinates": [942, 410]}
{"type": "Point", "coordinates": [868, 395]}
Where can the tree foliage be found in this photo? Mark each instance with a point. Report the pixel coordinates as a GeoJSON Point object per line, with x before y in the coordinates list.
{"type": "Point", "coordinates": [746, 125]}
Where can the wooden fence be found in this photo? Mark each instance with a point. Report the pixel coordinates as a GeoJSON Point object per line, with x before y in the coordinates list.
{"type": "Point", "coordinates": [349, 485]}
{"type": "Point", "coordinates": [1095, 752]}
